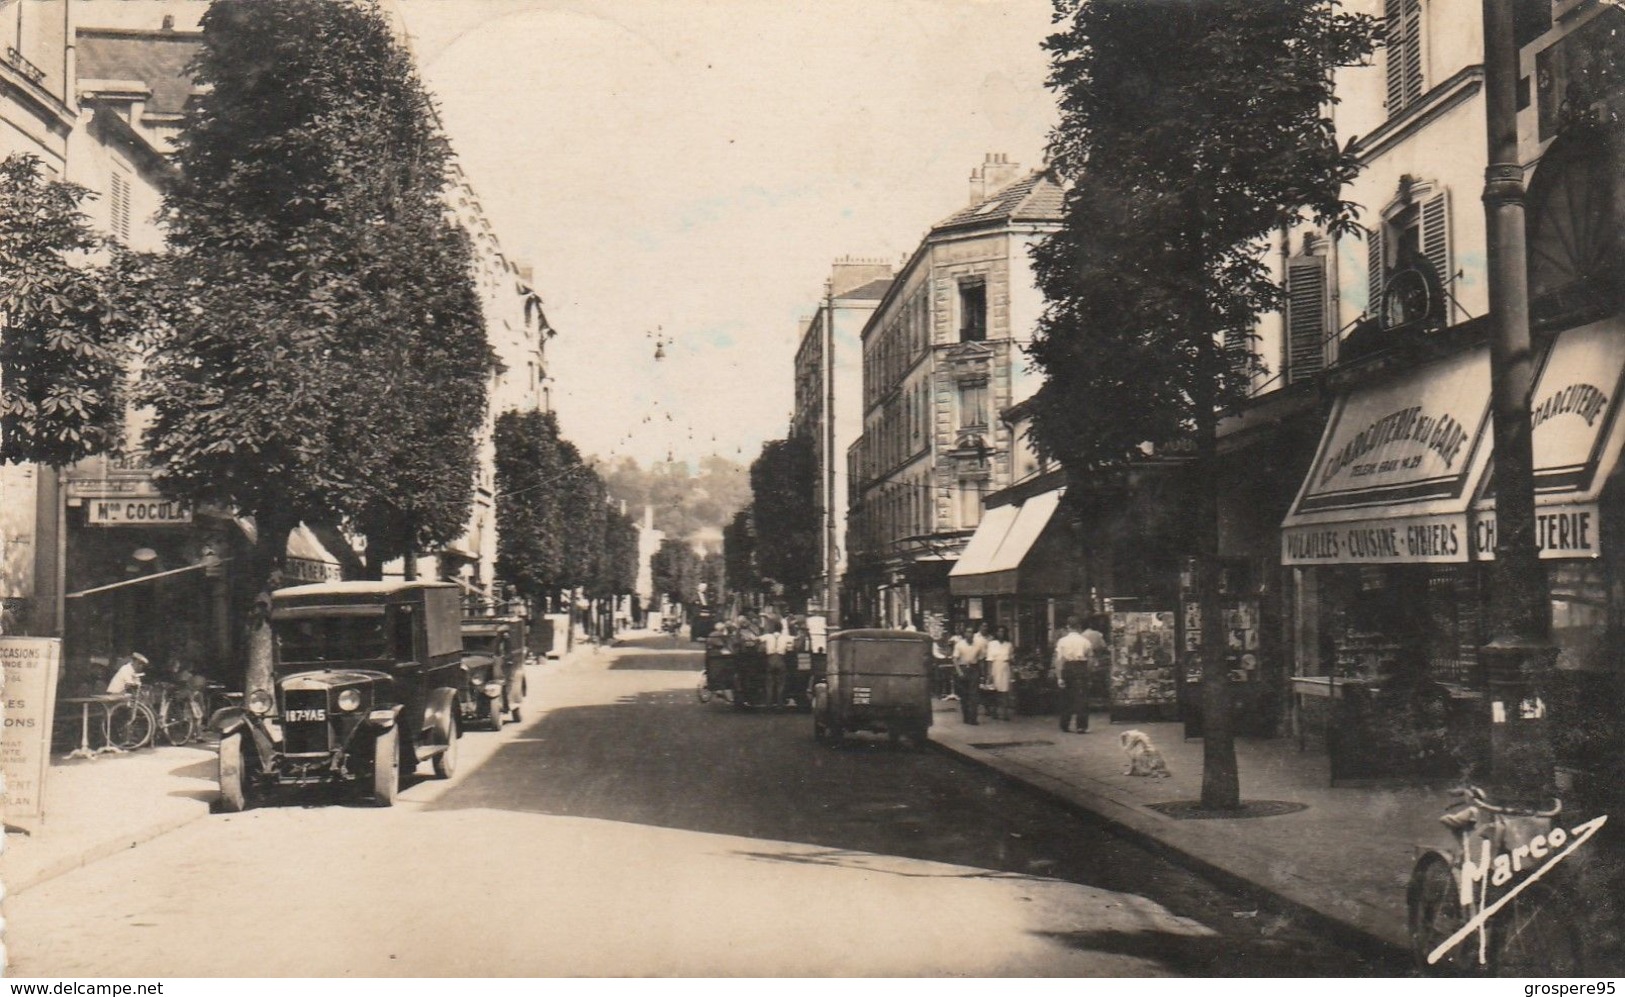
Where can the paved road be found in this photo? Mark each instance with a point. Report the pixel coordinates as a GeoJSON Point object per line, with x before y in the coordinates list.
{"type": "Point", "coordinates": [625, 829]}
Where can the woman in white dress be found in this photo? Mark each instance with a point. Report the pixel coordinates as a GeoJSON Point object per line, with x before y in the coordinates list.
{"type": "Point", "coordinates": [999, 654]}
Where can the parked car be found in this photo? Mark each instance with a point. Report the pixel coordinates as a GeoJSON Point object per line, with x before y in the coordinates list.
{"type": "Point", "coordinates": [366, 677]}
{"type": "Point", "coordinates": [494, 684]}
{"type": "Point", "coordinates": [876, 680]}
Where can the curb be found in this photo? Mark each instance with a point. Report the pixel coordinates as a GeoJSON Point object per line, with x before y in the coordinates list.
{"type": "Point", "coordinates": [1348, 935]}
{"type": "Point", "coordinates": [97, 852]}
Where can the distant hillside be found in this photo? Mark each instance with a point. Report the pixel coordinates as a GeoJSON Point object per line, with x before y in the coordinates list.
{"type": "Point", "coordinates": [687, 506]}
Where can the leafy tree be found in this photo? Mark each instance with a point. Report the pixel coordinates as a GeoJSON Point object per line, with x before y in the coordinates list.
{"type": "Point", "coordinates": [784, 486]}
{"type": "Point", "coordinates": [529, 471]}
{"type": "Point", "coordinates": [620, 562]}
{"type": "Point", "coordinates": [322, 343]}
{"type": "Point", "coordinates": [676, 571]}
{"type": "Point", "coordinates": [739, 553]}
{"type": "Point", "coordinates": [1189, 131]}
{"type": "Point", "coordinates": [63, 338]}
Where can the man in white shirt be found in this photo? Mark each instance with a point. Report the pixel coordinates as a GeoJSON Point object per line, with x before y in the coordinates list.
{"type": "Point", "coordinates": [775, 644]}
{"type": "Point", "coordinates": [969, 652]}
{"type": "Point", "coordinates": [1072, 657]}
{"type": "Point", "coordinates": [128, 676]}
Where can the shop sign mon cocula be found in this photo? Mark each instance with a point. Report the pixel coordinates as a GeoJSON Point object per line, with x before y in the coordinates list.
{"type": "Point", "coordinates": [136, 512]}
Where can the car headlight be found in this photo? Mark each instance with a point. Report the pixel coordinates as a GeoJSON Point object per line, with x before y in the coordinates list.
{"type": "Point", "coordinates": [349, 700]}
{"type": "Point", "coordinates": [260, 702]}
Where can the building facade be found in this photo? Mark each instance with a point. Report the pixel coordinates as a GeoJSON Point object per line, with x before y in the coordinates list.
{"type": "Point", "coordinates": [942, 356]}
{"type": "Point", "coordinates": [829, 406]}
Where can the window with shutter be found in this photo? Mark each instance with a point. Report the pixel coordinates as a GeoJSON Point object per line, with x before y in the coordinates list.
{"type": "Point", "coordinates": [1403, 21]}
{"type": "Point", "coordinates": [1375, 262]}
{"type": "Point", "coordinates": [119, 206]}
{"type": "Point", "coordinates": [1305, 316]}
{"type": "Point", "coordinates": [1435, 240]}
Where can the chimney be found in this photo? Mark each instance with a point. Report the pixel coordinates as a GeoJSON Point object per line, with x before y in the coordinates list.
{"type": "Point", "coordinates": [851, 272]}
{"type": "Point", "coordinates": [993, 175]}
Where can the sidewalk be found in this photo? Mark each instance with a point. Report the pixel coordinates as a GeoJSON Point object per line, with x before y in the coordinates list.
{"type": "Point", "coordinates": [94, 809]}
{"type": "Point", "coordinates": [1346, 857]}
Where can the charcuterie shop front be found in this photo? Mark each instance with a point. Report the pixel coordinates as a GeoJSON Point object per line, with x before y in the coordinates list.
{"type": "Point", "coordinates": [1389, 541]}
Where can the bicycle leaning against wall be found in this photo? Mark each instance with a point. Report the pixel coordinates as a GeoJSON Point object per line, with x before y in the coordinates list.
{"type": "Point", "coordinates": [1499, 902]}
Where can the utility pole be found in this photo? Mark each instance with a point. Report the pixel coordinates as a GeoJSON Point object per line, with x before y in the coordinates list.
{"type": "Point", "coordinates": [1520, 650]}
{"type": "Point", "coordinates": [832, 611]}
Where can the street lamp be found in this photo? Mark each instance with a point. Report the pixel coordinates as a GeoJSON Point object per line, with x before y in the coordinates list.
{"type": "Point", "coordinates": [1520, 650]}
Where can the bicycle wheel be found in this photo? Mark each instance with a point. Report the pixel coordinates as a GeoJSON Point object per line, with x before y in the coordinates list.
{"type": "Point", "coordinates": [1535, 936]}
{"type": "Point", "coordinates": [176, 720]}
{"type": "Point", "coordinates": [1436, 914]}
{"type": "Point", "coordinates": [130, 725]}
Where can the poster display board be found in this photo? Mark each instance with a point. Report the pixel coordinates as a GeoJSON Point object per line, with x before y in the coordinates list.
{"type": "Point", "coordinates": [31, 668]}
{"type": "Point", "coordinates": [1143, 677]}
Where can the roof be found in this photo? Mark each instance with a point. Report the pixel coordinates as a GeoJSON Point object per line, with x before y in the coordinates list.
{"type": "Point", "coordinates": [1037, 197]}
{"type": "Point", "coordinates": [157, 58]}
{"type": "Point", "coordinates": [872, 291]}
{"type": "Point", "coordinates": [356, 588]}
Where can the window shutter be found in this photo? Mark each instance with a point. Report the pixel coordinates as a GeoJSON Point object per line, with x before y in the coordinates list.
{"type": "Point", "coordinates": [1413, 50]}
{"type": "Point", "coordinates": [1403, 63]}
{"type": "Point", "coordinates": [1305, 316]}
{"type": "Point", "coordinates": [1374, 269]}
{"type": "Point", "coordinates": [1436, 235]}
{"type": "Point", "coordinates": [119, 206]}
{"type": "Point", "coordinates": [1394, 58]}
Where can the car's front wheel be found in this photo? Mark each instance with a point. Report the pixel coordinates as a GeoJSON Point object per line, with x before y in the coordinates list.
{"type": "Point", "coordinates": [445, 763]}
{"type": "Point", "coordinates": [386, 767]}
{"type": "Point", "coordinates": [233, 777]}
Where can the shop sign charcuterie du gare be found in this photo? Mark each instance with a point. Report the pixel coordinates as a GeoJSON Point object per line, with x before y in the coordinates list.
{"type": "Point", "coordinates": [31, 666]}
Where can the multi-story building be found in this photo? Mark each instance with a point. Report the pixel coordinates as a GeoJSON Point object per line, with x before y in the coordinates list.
{"type": "Point", "coordinates": [942, 356]}
{"type": "Point", "coordinates": [1356, 489]}
{"type": "Point", "coordinates": [829, 405]}
{"type": "Point", "coordinates": [72, 562]}
{"type": "Point", "coordinates": [38, 109]}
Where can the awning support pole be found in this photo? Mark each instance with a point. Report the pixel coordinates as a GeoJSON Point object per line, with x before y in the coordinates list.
{"type": "Point", "coordinates": [140, 580]}
{"type": "Point", "coordinates": [1519, 654]}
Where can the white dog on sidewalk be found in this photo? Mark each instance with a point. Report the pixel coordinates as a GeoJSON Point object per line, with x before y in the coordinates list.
{"type": "Point", "coordinates": [1143, 756]}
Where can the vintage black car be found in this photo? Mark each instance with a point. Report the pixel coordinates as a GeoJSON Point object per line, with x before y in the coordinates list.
{"type": "Point", "coordinates": [494, 684]}
{"type": "Point", "coordinates": [366, 682]}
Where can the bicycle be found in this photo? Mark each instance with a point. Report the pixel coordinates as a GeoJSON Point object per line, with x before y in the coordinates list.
{"type": "Point", "coordinates": [180, 714]}
{"type": "Point", "coordinates": [1481, 908]}
{"type": "Point", "coordinates": [130, 723]}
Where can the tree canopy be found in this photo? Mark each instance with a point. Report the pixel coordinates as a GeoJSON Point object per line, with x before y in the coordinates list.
{"type": "Point", "coordinates": [784, 516]}
{"type": "Point", "coordinates": [323, 355]}
{"type": "Point", "coordinates": [1190, 130]}
{"type": "Point", "coordinates": [64, 339]}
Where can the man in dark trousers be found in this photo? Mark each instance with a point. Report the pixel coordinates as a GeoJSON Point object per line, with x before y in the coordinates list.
{"type": "Point", "coordinates": [968, 654]}
{"type": "Point", "coordinates": [1072, 657]}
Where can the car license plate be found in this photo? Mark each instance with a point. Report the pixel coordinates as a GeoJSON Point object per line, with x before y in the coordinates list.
{"type": "Point", "coordinates": [304, 716]}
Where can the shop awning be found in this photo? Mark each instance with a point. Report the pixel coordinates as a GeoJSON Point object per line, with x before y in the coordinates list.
{"type": "Point", "coordinates": [999, 573]}
{"type": "Point", "coordinates": [1397, 468]}
{"type": "Point", "coordinates": [308, 560]}
{"type": "Point", "coordinates": [1577, 437]}
{"type": "Point", "coordinates": [984, 543]}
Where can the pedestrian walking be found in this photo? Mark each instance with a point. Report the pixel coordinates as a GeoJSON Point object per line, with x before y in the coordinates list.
{"type": "Point", "coordinates": [1073, 653]}
{"type": "Point", "coordinates": [1000, 652]}
{"type": "Point", "coordinates": [968, 656]}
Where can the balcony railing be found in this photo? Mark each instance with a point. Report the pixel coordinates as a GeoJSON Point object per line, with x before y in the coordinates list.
{"type": "Point", "coordinates": [25, 67]}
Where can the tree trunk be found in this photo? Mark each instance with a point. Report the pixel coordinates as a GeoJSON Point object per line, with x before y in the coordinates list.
{"type": "Point", "coordinates": [270, 553]}
{"type": "Point", "coordinates": [1221, 786]}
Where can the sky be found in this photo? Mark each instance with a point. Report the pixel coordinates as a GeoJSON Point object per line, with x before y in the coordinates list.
{"type": "Point", "coordinates": [691, 168]}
